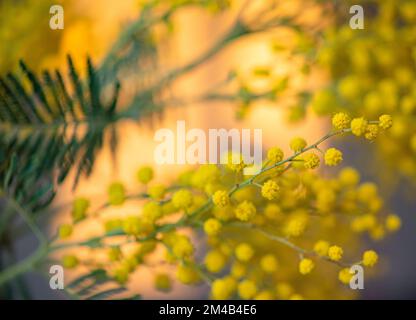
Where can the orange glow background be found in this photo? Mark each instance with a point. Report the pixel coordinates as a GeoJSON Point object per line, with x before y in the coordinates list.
{"type": "Point", "coordinates": [195, 31]}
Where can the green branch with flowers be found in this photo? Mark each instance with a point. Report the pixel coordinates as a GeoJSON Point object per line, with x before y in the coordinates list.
{"type": "Point", "coordinates": [218, 210]}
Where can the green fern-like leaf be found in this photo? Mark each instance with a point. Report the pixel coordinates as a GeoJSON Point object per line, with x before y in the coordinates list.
{"type": "Point", "coordinates": [97, 285]}
{"type": "Point", "coordinates": [48, 127]}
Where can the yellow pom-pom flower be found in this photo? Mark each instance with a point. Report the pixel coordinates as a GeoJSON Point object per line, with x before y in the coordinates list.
{"type": "Point", "coordinates": [325, 200]}
{"type": "Point", "coordinates": [152, 211]}
{"type": "Point", "coordinates": [370, 258]}
{"type": "Point", "coordinates": [116, 194]}
{"type": "Point", "coordinates": [385, 121]}
{"type": "Point", "coordinates": [79, 208]}
{"type": "Point", "coordinates": [138, 226]}
{"type": "Point", "coordinates": [235, 162]}
{"type": "Point", "coordinates": [372, 132]}
{"type": "Point", "coordinates": [321, 248]}
{"type": "Point", "coordinates": [238, 270]}
{"type": "Point", "coordinates": [212, 226]}
{"type": "Point", "coordinates": [335, 253]}
{"type": "Point", "coordinates": [270, 190]}
{"type": "Point", "coordinates": [269, 263]}
{"type": "Point", "coordinates": [333, 157]}
{"type": "Point", "coordinates": [187, 275]}
{"type": "Point", "coordinates": [359, 126]}
{"type": "Point", "coordinates": [311, 161]}
{"type": "Point", "coordinates": [157, 191]}
{"type": "Point", "coordinates": [367, 190]}
{"type": "Point", "coordinates": [264, 295]}
{"type": "Point", "coordinates": [145, 174]}
{"type": "Point", "coordinates": [275, 154]}
{"type": "Point", "coordinates": [349, 177]}
{"type": "Point", "coordinates": [65, 231]}
{"type": "Point", "coordinates": [247, 289]}
{"type": "Point", "coordinates": [215, 261]}
{"type": "Point", "coordinates": [163, 282]}
{"type": "Point", "coordinates": [344, 275]}
{"type": "Point", "coordinates": [284, 290]}
{"type": "Point", "coordinates": [245, 211]}
{"type": "Point", "coordinates": [341, 121]}
{"type": "Point", "coordinates": [182, 199]}
{"type": "Point", "coordinates": [221, 198]}
{"type": "Point", "coordinates": [121, 274]}
{"type": "Point", "coordinates": [182, 248]}
{"type": "Point", "coordinates": [244, 252]}
{"type": "Point", "coordinates": [296, 225]}
{"type": "Point", "coordinates": [297, 144]}
{"type": "Point", "coordinates": [273, 211]}
{"type": "Point", "coordinates": [70, 261]}
{"type": "Point", "coordinates": [306, 266]}
{"type": "Point", "coordinates": [393, 222]}
{"type": "Point", "coordinates": [222, 289]}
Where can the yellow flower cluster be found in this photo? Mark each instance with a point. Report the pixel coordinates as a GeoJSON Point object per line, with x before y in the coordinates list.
{"type": "Point", "coordinates": [297, 144]}
{"type": "Point", "coordinates": [275, 154]}
{"type": "Point", "coordinates": [145, 174]}
{"type": "Point", "coordinates": [245, 211]}
{"type": "Point", "coordinates": [333, 157]}
{"type": "Point", "coordinates": [116, 194]}
{"type": "Point", "coordinates": [270, 190]}
{"type": "Point", "coordinates": [256, 227]}
{"type": "Point", "coordinates": [269, 263]}
{"type": "Point", "coordinates": [335, 253]}
{"type": "Point", "coordinates": [70, 261]}
{"type": "Point", "coordinates": [247, 289]}
{"type": "Point", "coordinates": [306, 266]}
{"type": "Point", "coordinates": [157, 192]}
{"type": "Point", "coordinates": [244, 252]}
{"type": "Point", "coordinates": [370, 258]}
{"type": "Point", "coordinates": [79, 208]}
{"type": "Point", "coordinates": [212, 226]}
{"type": "Point", "coordinates": [182, 199]}
{"type": "Point", "coordinates": [321, 248]}
{"type": "Point", "coordinates": [345, 275]}
{"type": "Point", "coordinates": [311, 161]}
{"type": "Point", "coordinates": [341, 121]}
{"type": "Point", "coordinates": [215, 261]}
{"type": "Point", "coordinates": [235, 162]}
{"type": "Point", "coordinates": [65, 231]}
{"type": "Point", "coordinates": [359, 126]}
{"type": "Point", "coordinates": [370, 76]}
{"type": "Point", "coordinates": [221, 198]}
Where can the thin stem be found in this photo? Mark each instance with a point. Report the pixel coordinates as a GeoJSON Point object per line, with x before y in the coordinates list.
{"type": "Point", "coordinates": [24, 266]}
{"type": "Point", "coordinates": [236, 31]}
{"type": "Point", "coordinates": [289, 244]}
{"type": "Point", "coordinates": [250, 180]}
{"type": "Point", "coordinates": [7, 215]}
{"type": "Point", "coordinates": [199, 269]}
{"type": "Point", "coordinates": [28, 219]}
